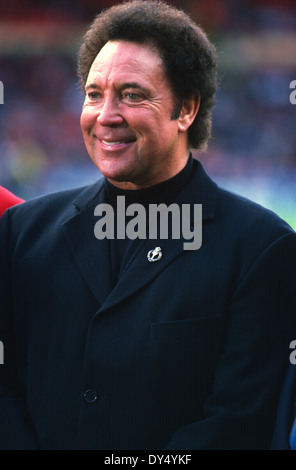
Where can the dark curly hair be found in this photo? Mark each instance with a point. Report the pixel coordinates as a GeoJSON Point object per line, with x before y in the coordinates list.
{"type": "Point", "coordinates": [188, 56]}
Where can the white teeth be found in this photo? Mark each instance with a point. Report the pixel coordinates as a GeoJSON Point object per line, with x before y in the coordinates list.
{"type": "Point", "coordinates": [112, 143]}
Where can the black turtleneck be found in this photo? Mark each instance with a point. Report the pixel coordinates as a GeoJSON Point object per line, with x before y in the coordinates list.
{"type": "Point", "coordinates": [122, 251]}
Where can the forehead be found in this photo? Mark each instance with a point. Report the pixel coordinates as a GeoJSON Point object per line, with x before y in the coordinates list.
{"type": "Point", "coordinates": [124, 57]}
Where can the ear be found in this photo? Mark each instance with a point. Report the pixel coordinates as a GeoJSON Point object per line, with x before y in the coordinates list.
{"type": "Point", "coordinates": [188, 113]}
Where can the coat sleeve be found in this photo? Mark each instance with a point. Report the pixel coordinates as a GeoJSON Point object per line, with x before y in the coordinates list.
{"type": "Point", "coordinates": [16, 432]}
{"type": "Point", "coordinates": [241, 410]}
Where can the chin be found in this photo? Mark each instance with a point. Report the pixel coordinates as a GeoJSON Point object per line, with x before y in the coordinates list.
{"type": "Point", "coordinates": [115, 177]}
{"type": "Point", "coordinates": [115, 172]}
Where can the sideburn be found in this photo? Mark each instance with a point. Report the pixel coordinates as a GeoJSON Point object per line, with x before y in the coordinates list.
{"type": "Point", "coordinates": [176, 110]}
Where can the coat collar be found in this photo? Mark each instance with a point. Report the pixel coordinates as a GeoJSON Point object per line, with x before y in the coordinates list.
{"type": "Point", "coordinates": [92, 255]}
{"type": "Point", "coordinates": [200, 190]}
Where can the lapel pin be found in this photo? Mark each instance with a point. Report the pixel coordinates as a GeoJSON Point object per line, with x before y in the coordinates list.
{"type": "Point", "coordinates": [154, 255]}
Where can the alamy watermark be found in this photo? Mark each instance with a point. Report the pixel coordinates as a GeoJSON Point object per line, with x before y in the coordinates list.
{"type": "Point", "coordinates": [293, 94]}
{"type": "Point", "coordinates": [158, 222]}
{"type": "Point", "coordinates": [1, 353]}
{"type": "Point", "coordinates": [293, 353]}
{"type": "Point", "coordinates": [1, 93]}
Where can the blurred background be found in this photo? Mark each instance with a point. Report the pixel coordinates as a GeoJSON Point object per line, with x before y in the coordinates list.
{"type": "Point", "coordinates": [253, 148]}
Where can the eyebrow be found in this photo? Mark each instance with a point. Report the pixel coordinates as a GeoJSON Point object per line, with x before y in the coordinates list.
{"type": "Point", "coordinates": [125, 85]}
{"type": "Point", "coordinates": [91, 85]}
{"type": "Point", "coordinates": [135, 85]}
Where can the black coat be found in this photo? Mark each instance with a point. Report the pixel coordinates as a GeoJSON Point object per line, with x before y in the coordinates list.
{"type": "Point", "coordinates": [185, 353]}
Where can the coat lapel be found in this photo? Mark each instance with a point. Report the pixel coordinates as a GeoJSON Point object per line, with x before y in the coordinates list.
{"type": "Point", "coordinates": [201, 190]}
{"type": "Point", "coordinates": [92, 255]}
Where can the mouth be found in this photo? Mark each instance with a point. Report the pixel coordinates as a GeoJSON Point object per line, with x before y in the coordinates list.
{"type": "Point", "coordinates": [115, 144]}
{"type": "Point", "coordinates": [118, 142]}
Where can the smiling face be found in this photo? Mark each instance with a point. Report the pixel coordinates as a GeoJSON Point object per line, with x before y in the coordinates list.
{"type": "Point", "coordinates": [126, 117]}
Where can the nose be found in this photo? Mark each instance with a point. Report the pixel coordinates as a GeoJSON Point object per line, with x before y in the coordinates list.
{"type": "Point", "coordinates": [109, 113]}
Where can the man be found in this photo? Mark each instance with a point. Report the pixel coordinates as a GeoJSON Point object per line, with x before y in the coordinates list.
{"type": "Point", "coordinates": [7, 199]}
{"type": "Point", "coordinates": [125, 342]}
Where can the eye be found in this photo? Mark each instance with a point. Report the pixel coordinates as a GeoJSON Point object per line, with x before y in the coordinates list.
{"type": "Point", "coordinates": [132, 97]}
{"type": "Point", "coordinates": [93, 95]}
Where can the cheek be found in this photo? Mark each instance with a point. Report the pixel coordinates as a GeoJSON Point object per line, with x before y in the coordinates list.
{"type": "Point", "coordinates": [87, 120]}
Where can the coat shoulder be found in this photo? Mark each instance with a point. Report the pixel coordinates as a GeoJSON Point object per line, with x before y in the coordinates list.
{"type": "Point", "coordinates": [58, 205]}
{"type": "Point", "coordinates": [248, 216]}
{"type": "Point", "coordinates": [245, 230]}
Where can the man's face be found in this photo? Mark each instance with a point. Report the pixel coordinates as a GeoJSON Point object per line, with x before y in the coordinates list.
{"type": "Point", "coordinates": [126, 117]}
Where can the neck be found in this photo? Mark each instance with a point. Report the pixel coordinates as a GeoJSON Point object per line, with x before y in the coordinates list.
{"type": "Point", "coordinates": [155, 179]}
{"type": "Point", "coordinates": [165, 192]}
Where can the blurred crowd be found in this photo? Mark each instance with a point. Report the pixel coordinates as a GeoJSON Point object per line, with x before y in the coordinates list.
{"type": "Point", "coordinates": [218, 15]}
{"type": "Point", "coordinates": [253, 147]}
